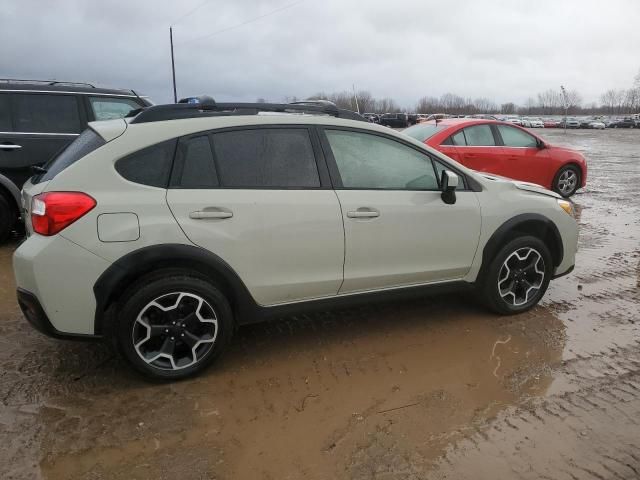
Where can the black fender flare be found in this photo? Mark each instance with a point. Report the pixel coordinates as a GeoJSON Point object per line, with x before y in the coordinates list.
{"type": "Point", "coordinates": [530, 223]}
{"type": "Point", "coordinates": [127, 269]}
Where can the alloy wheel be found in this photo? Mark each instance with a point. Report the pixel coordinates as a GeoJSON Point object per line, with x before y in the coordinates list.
{"type": "Point", "coordinates": [567, 181]}
{"type": "Point", "coordinates": [521, 276]}
{"type": "Point", "coordinates": [175, 331]}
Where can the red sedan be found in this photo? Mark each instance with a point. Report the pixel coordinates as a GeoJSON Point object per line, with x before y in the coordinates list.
{"type": "Point", "coordinates": [505, 149]}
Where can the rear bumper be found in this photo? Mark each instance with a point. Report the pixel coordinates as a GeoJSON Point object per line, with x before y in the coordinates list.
{"type": "Point", "coordinates": [36, 316]}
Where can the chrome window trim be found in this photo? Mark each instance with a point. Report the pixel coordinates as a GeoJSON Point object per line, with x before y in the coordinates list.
{"type": "Point", "coordinates": [39, 133]}
{"type": "Point", "coordinates": [127, 95]}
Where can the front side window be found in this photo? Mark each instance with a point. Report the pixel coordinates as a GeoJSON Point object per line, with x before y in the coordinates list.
{"type": "Point", "coordinates": [40, 113]}
{"type": "Point", "coordinates": [479, 136]}
{"type": "Point", "coordinates": [266, 158]}
{"type": "Point", "coordinates": [514, 137]}
{"type": "Point", "coordinates": [368, 161]}
{"type": "Point", "coordinates": [105, 108]}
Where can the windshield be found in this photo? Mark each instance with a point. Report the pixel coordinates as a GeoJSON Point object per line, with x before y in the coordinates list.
{"type": "Point", "coordinates": [422, 131]}
{"type": "Point", "coordinates": [86, 143]}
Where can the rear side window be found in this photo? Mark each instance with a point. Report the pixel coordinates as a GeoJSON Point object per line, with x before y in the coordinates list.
{"type": "Point", "coordinates": [82, 146]}
{"type": "Point", "coordinates": [195, 167]}
{"type": "Point", "coordinates": [5, 116]}
{"type": "Point", "coordinates": [479, 136]}
{"type": "Point", "coordinates": [105, 108]}
{"type": "Point", "coordinates": [266, 158]}
{"type": "Point", "coordinates": [149, 166]}
{"type": "Point", "coordinates": [37, 113]}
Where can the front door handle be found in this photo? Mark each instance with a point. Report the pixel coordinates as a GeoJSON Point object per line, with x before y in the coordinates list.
{"type": "Point", "coordinates": [205, 214]}
{"type": "Point", "coordinates": [11, 146]}
{"type": "Point", "coordinates": [362, 213]}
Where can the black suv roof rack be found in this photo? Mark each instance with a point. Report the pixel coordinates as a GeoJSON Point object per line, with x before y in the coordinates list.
{"type": "Point", "coordinates": [46, 82]}
{"type": "Point", "coordinates": [205, 106]}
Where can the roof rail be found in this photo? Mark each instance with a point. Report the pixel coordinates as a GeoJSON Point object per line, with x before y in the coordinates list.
{"type": "Point", "coordinates": [47, 82]}
{"type": "Point", "coordinates": [206, 106]}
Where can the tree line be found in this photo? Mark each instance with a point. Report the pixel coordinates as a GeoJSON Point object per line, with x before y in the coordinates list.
{"type": "Point", "coordinates": [548, 102]}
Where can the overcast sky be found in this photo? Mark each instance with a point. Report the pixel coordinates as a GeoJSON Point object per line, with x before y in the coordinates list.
{"type": "Point", "coordinates": [505, 50]}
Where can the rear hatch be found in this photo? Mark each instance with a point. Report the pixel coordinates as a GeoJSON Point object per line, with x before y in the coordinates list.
{"type": "Point", "coordinates": [97, 135]}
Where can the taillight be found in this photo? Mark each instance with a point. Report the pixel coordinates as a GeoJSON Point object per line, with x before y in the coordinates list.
{"type": "Point", "coordinates": [52, 212]}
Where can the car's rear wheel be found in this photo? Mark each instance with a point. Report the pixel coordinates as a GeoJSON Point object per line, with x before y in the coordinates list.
{"type": "Point", "coordinates": [567, 181]}
{"type": "Point", "coordinates": [173, 325]}
{"type": "Point", "coordinates": [518, 276]}
{"type": "Point", "coordinates": [8, 218]}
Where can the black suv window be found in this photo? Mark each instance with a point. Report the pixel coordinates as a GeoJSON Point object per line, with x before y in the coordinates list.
{"type": "Point", "coordinates": [40, 113]}
{"type": "Point", "coordinates": [149, 166]}
{"type": "Point", "coordinates": [5, 117]}
{"type": "Point", "coordinates": [194, 167]}
{"type": "Point", "coordinates": [108, 108]}
{"type": "Point", "coordinates": [266, 158]}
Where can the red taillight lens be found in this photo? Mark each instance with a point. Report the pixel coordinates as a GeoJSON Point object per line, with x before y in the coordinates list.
{"type": "Point", "coordinates": [52, 212]}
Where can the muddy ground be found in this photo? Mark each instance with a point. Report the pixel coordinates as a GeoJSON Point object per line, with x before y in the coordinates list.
{"type": "Point", "coordinates": [436, 388]}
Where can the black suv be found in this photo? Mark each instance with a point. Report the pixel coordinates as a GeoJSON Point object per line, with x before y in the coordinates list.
{"type": "Point", "coordinates": [397, 120]}
{"type": "Point", "coordinates": [39, 118]}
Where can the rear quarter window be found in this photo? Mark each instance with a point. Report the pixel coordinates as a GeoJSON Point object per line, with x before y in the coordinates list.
{"type": "Point", "coordinates": [150, 166]}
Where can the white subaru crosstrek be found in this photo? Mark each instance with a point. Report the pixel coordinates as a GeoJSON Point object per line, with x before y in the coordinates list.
{"type": "Point", "coordinates": [166, 230]}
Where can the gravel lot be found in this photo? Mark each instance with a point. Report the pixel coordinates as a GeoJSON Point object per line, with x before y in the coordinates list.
{"type": "Point", "coordinates": [436, 388]}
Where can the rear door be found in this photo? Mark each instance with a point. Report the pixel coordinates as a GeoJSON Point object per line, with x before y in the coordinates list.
{"type": "Point", "coordinates": [41, 125]}
{"type": "Point", "coordinates": [261, 200]}
{"type": "Point", "coordinates": [521, 157]}
{"type": "Point", "coordinates": [477, 148]}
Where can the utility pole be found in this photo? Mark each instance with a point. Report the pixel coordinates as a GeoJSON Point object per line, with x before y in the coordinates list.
{"type": "Point", "coordinates": [173, 66]}
{"type": "Point", "coordinates": [565, 99]}
{"type": "Point", "coordinates": [355, 96]}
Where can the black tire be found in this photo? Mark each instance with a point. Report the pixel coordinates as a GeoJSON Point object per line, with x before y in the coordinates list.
{"type": "Point", "coordinates": [490, 291]}
{"type": "Point", "coordinates": [557, 179]}
{"type": "Point", "coordinates": [8, 218]}
{"type": "Point", "coordinates": [185, 289]}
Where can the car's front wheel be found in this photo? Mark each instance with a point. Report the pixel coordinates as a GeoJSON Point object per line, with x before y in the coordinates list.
{"type": "Point", "coordinates": [172, 325]}
{"type": "Point", "coordinates": [567, 181]}
{"type": "Point", "coordinates": [518, 276]}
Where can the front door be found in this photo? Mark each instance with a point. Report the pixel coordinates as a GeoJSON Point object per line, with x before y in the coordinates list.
{"type": "Point", "coordinates": [398, 231]}
{"type": "Point", "coordinates": [521, 157]}
{"type": "Point", "coordinates": [254, 198]}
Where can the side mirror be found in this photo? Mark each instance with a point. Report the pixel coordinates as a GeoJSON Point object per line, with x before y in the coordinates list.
{"type": "Point", "coordinates": [448, 183]}
{"type": "Point", "coordinates": [541, 144]}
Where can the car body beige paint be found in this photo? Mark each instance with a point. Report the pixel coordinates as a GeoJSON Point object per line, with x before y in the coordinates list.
{"type": "Point", "coordinates": [285, 246]}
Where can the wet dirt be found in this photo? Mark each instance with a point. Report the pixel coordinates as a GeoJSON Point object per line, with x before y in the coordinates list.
{"type": "Point", "coordinates": [435, 388]}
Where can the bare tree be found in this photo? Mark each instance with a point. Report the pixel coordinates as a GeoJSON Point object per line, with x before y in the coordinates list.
{"type": "Point", "coordinates": [508, 108]}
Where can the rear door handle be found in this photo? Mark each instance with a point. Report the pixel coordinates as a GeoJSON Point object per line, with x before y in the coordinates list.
{"type": "Point", "coordinates": [205, 214]}
{"type": "Point", "coordinates": [362, 213]}
{"type": "Point", "coordinates": [10, 147]}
